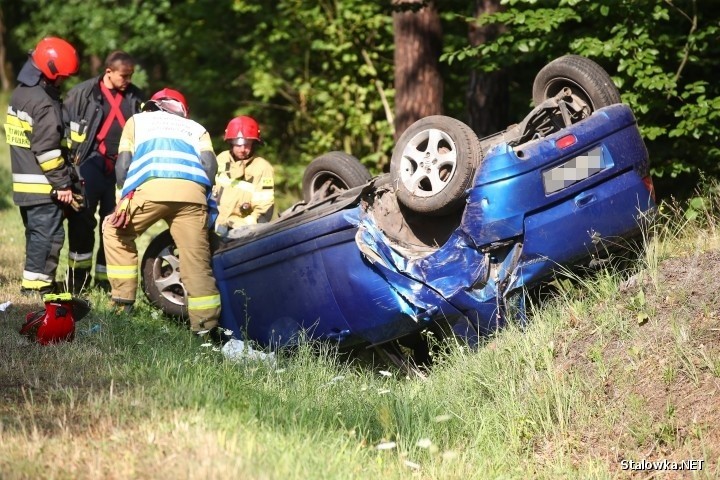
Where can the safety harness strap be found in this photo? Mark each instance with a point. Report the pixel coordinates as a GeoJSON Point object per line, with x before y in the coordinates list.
{"type": "Point", "coordinates": [115, 114]}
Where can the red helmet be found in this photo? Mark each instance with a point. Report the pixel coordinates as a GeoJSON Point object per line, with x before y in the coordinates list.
{"type": "Point", "coordinates": [56, 323]}
{"type": "Point", "coordinates": [55, 57]}
{"type": "Point", "coordinates": [171, 101]}
{"type": "Point", "coordinates": [242, 128]}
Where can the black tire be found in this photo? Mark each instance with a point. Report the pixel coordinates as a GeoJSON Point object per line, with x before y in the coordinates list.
{"type": "Point", "coordinates": [434, 163]}
{"type": "Point", "coordinates": [332, 173]}
{"type": "Point", "coordinates": [161, 276]}
{"type": "Point", "coordinates": [589, 82]}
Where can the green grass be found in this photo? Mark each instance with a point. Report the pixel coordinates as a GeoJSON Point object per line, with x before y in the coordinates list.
{"type": "Point", "coordinates": [604, 372]}
{"type": "Point", "coordinates": [138, 397]}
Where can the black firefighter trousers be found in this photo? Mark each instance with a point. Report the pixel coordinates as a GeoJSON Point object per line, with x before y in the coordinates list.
{"type": "Point", "coordinates": [99, 192]}
{"type": "Point", "coordinates": [44, 237]}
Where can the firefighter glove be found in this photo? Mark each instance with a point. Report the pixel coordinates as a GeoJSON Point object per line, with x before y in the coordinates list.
{"type": "Point", "coordinates": [78, 202]}
{"type": "Point", "coordinates": [121, 216]}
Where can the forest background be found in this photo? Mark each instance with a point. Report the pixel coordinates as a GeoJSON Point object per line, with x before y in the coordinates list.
{"type": "Point", "coordinates": [351, 75]}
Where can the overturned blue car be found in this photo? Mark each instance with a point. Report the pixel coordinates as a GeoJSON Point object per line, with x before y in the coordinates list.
{"type": "Point", "coordinates": [457, 231]}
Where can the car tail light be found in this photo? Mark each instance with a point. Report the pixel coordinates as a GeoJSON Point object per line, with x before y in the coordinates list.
{"type": "Point", "coordinates": [647, 180]}
{"type": "Point", "coordinates": [566, 141]}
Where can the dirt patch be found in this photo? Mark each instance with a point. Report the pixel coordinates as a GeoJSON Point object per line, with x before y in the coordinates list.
{"type": "Point", "coordinates": [654, 376]}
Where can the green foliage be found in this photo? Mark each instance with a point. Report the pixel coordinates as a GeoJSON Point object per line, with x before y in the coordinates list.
{"type": "Point", "coordinates": [326, 69]}
{"type": "Point", "coordinates": [660, 54]}
{"type": "Point", "coordinates": [315, 76]}
{"type": "Point", "coordinates": [5, 175]}
{"type": "Point", "coordinates": [96, 31]}
{"type": "Point", "coordinates": [318, 75]}
{"type": "Point", "coordinates": [5, 188]}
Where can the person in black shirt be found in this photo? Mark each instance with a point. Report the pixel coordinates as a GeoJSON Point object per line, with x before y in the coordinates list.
{"type": "Point", "coordinates": [96, 111]}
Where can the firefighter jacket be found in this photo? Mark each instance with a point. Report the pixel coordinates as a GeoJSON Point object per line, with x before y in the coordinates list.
{"type": "Point", "coordinates": [85, 110]}
{"type": "Point", "coordinates": [244, 191]}
{"type": "Point", "coordinates": [163, 146]}
{"type": "Point", "coordinates": [34, 131]}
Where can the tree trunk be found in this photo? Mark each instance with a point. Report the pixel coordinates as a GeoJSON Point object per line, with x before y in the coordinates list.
{"type": "Point", "coordinates": [487, 96]}
{"type": "Point", "coordinates": [418, 44]}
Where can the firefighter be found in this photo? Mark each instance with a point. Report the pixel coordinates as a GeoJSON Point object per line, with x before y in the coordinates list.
{"type": "Point", "coordinates": [166, 168]}
{"type": "Point", "coordinates": [244, 184]}
{"type": "Point", "coordinates": [43, 179]}
{"type": "Point", "coordinates": [97, 110]}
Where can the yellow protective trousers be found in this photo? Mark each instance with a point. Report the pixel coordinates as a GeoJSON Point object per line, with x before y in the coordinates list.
{"type": "Point", "coordinates": [188, 227]}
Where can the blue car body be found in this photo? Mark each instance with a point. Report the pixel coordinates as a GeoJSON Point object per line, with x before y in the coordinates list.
{"type": "Point", "coordinates": [332, 271]}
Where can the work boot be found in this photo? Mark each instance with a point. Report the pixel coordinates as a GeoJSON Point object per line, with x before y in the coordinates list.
{"type": "Point", "coordinates": [122, 307]}
{"type": "Point", "coordinates": [29, 292]}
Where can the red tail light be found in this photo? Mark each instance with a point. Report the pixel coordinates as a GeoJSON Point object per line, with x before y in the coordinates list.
{"type": "Point", "coordinates": [566, 141]}
{"type": "Point", "coordinates": [647, 180]}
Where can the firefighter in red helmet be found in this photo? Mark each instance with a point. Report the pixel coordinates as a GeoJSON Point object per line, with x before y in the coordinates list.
{"type": "Point", "coordinates": [43, 179]}
{"type": "Point", "coordinates": [244, 187]}
{"type": "Point", "coordinates": [55, 59]}
{"type": "Point", "coordinates": [165, 169]}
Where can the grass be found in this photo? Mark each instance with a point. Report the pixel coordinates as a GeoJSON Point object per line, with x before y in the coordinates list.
{"type": "Point", "coordinates": [138, 397]}
{"type": "Point", "coordinates": [621, 365]}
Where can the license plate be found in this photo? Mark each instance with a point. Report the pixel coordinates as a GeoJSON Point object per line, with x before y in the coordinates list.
{"type": "Point", "coordinates": [572, 171]}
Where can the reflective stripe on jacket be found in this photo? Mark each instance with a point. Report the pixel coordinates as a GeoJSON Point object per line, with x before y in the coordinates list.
{"type": "Point", "coordinates": [164, 145]}
{"type": "Point", "coordinates": [34, 131]}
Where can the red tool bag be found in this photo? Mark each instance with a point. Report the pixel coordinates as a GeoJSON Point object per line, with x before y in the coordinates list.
{"type": "Point", "coordinates": [56, 322]}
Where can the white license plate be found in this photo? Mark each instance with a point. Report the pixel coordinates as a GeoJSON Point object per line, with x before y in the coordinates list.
{"type": "Point", "coordinates": [572, 171]}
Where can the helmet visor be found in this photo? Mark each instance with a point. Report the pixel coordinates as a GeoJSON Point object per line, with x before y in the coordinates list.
{"type": "Point", "coordinates": [240, 141]}
{"type": "Point", "coordinates": [171, 106]}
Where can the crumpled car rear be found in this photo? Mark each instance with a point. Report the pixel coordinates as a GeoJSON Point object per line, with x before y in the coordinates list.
{"type": "Point", "coordinates": [350, 274]}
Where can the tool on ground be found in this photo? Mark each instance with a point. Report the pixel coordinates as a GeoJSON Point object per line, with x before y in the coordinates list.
{"type": "Point", "coordinates": [56, 322]}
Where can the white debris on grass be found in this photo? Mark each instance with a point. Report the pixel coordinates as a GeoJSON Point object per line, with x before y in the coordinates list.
{"type": "Point", "coordinates": [237, 351]}
{"type": "Point", "coordinates": [386, 446]}
{"type": "Point", "coordinates": [412, 465]}
{"type": "Point", "coordinates": [4, 306]}
{"type": "Point", "coordinates": [449, 454]}
{"type": "Point", "coordinates": [424, 443]}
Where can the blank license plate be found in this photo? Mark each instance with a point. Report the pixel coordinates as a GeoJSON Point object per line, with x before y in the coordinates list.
{"type": "Point", "coordinates": [572, 171]}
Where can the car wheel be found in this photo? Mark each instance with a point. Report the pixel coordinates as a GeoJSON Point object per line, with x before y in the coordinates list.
{"type": "Point", "coordinates": [161, 276]}
{"type": "Point", "coordinates": [588, 81]}
{"type": "Point", "coordinates": [332, 173]}
{"type": "Point", "coordinates": [433, 164]}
